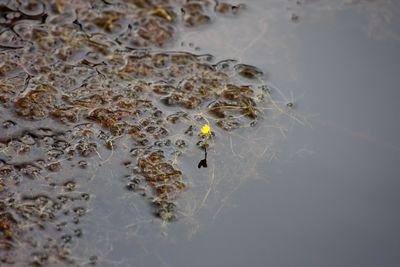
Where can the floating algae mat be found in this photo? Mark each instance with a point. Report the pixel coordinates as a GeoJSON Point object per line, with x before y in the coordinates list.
{"type": "Point", "coordinates": [86, 83]}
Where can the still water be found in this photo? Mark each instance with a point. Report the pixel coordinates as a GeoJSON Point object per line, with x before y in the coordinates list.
{"type": "Point", "coordinates": [331, 198]}
{"type": "Point", "coordinates": [314, 185]}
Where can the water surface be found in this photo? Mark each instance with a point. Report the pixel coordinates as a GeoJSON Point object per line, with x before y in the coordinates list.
{"type": "Point", "coordinates": [315, 185]}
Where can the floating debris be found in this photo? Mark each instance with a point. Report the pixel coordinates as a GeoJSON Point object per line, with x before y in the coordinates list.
{"type": "Point", "coordinates": [294, 17]}
{"type": "Point", "coordinates": [162, 12]}
{"type": "Point", "coordinates": [226, 8]}
{"type": "Point", "coordinates": [248, 71]}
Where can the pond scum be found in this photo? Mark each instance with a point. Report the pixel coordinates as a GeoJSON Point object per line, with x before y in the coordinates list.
{"type": "Point", "coordinates": [76, 77]}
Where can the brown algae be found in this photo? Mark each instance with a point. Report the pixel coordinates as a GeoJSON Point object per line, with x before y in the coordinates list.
{"type": "Point", "coordinates": [76, 77]}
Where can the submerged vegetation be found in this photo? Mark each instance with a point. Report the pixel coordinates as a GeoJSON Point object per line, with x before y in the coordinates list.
{"type": "Point", "coordinates": [83, 79]}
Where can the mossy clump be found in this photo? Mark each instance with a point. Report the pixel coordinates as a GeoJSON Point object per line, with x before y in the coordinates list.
{"type": "Point", "coordinates": [77, 77]}
{"type": "Point", "coordinates": [40, 208]}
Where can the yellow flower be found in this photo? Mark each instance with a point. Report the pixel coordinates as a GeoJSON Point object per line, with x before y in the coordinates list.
{"type": "Point", "coordinates": [205, 129]}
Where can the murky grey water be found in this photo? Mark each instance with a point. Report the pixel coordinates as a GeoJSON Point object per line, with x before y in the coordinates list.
{"type": "Point", "coordinates": [332, 196]}
{"type": "Point", "coordinates": [316, 188]}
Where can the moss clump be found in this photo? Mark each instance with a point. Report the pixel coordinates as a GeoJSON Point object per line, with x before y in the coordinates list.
{"type": "Point", "coordinates": [75, 79]}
